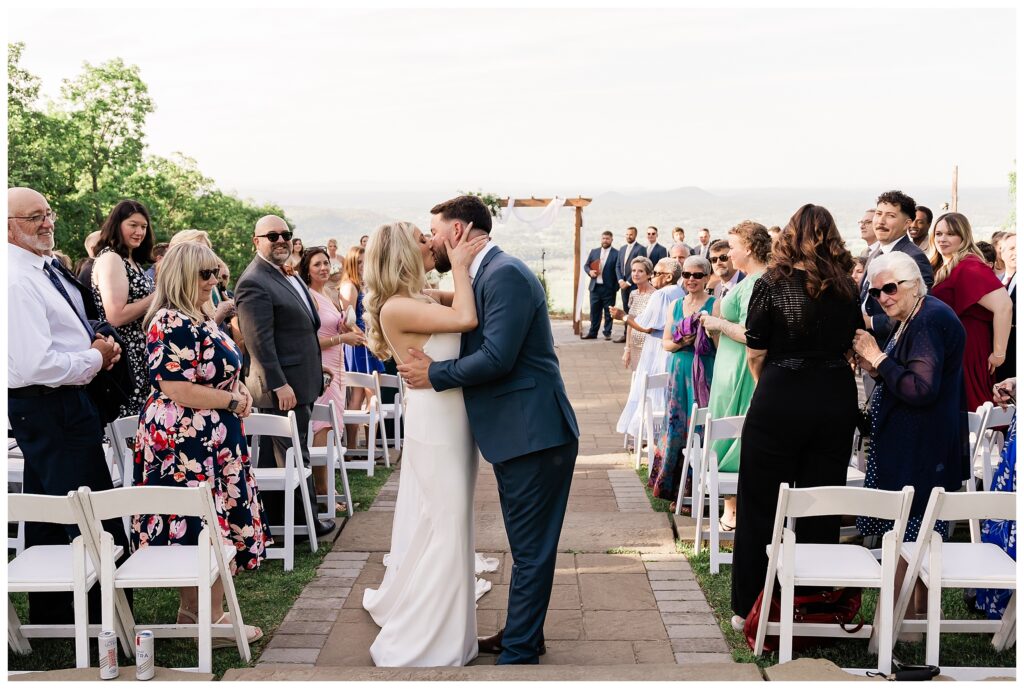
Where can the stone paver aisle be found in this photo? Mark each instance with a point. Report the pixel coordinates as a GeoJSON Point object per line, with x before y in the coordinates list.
{"type": "Point", "coordinates": [622, 595]}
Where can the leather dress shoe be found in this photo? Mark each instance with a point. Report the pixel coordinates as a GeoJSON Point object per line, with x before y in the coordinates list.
{"type": "Point", "coordinates": [322, 528]}
{"type": "Point", "coordinates": [608, 337]}
{"type": "Point", "coordinates": [588, 337]}
{"type": "Point", "coordinates": [619, 340]}
{"type": "Point", "coordinates": [492, 644]}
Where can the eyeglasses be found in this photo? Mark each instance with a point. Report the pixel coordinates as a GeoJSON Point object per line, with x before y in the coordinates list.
{"type": "Point", "coordinates": [36, 219]}
{"type": "Point", "coordinates": [694, 276]}
{"type": "Point", "coordinates": [889, 288]}
{"type": "Point", "coordinates": [207, 273]}
{"type": "Point", "coordinates": [719, 259]}
{"type": "Point", "coordinates": [274, 236]}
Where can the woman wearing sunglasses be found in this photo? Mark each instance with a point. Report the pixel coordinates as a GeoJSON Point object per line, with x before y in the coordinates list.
{"type": "Point", "coordinates": [918, 426]}
{"type": "Point", "coordinates": [690, 368]}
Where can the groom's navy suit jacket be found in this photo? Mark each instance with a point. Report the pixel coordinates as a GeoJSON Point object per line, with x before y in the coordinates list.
{"type": "Point", "coordinates": [507, 367]}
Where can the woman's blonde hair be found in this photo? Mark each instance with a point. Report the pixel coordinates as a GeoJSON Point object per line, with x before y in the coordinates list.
{"type": "Point", "coordinates": [959, 225]}
{"type": "Point", "coordinates": [393, 265]}
{"type": "Point", "coordinates": [200, 236]}
{"type": "Point", "coordinates": [178, 284]}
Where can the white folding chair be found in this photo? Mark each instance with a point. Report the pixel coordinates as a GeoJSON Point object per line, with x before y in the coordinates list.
{"type": "Point", "coordinates": [48, 569]}
{"type": "Point", "coordinates": [330, 455]}
{"type": "Point", "coordinates": [170, 566]}
{"type": "Point", "coordinates": [858, 462]}
{"type": "Point", "coordinates": [15, 477]}
{"type": "Point", "coordinates": [988, 446]}
{"type": "Point", "coordinates": [715, 484]}
{"type": "Point", "coordinates": [958, 565]}
{"type": "Point", "coordinates": [391, 411]}
{"type": "Point", "coordinates": [825, 564]}
{"type": "Point", "coordinates": [371, 418]}
{"type": "Point", "coordinates": [122, 434]}
{"type": "Point", "coordinates": [652, 415]}
{"type": "Point", "coordinates": [692, 455]}
{"type": "Point", "coordinates": [289, 478]}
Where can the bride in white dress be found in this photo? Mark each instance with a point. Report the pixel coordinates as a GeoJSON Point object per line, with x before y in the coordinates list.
{"type": "Point", "coordinates": [426, 604]}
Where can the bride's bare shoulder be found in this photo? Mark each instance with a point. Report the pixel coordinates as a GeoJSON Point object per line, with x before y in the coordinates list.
{"type": "Point", "coordinates": [398, 306]}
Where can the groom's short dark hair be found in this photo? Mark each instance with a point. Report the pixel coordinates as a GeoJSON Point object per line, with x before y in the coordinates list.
{"type": "Point", "coordinates": [468, 209]}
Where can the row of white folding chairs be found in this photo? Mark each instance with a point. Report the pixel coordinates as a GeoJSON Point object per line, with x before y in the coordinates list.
{"type": "Point", "coordinates": [959, 565]}
{"type": "Point", "coordinates": [73, 568]}
{"type": "Point", "coordinates": [987, 442]}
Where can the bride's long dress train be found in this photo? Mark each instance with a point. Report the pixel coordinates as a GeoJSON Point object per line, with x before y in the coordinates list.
{"type": "Point", "coordinates": [426, 603]}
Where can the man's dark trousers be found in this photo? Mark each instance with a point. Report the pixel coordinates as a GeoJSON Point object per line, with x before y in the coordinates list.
{"type": "Point", "coordinates": [272, 454]}
{"type": "Point", "coordinates": [602, 298]}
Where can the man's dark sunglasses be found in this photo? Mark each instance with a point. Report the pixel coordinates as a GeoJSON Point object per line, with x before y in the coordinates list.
{"type": "Point", "coordinates": [274, 236]}
{"type": "Point", "coordinates": [720, 259]}
{"type": "Point", "coordinates": [695, 276]}
{"type": "Point", "coordinates": [889, 288]}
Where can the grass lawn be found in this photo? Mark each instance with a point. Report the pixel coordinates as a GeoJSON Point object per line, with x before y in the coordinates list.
{"type": "Point", "coordinates": [265, 596]}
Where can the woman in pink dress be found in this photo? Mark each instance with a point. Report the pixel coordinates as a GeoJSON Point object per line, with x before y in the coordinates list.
{"type": "Point", "coordinates": [315, 270]}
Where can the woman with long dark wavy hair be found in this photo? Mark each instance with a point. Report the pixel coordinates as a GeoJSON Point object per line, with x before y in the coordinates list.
{"type": "Point", "coordinates": [801, 320]}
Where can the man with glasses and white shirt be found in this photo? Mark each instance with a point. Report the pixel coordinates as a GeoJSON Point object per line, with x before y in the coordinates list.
{"type": "Point", "coordinates": [53, 354]}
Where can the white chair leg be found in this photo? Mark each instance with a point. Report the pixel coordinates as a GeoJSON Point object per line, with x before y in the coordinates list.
{"type": "Point", "coordinates": [231, 599]}
{"type": "Point", "coordinates": [713, 539]}
{"type": "Point", "coordinates": [381, 422]}
{"type": "Point", "coordinates": [81, 603]}
{"type": "Point", "coordinates": [205, 611]}
{"type": "Point", "coordinates": [308, 510]}
{"type": "Point", "coordinates": [884, 622]}
{"type": "Point", "coordinates": [931, 655]}
{"type": "Point", "coordinates": [1001, 638]}
{"type": "Point", "coordinates": [332, 492]}
{"type": "Point", "coordinates": [786, 623]}
{"type": "Point", "coordinates": [698, 514]}
{"type": "Point", "coordinates": [15, 639]}
{"type": "Point", "coordinates": [289, 525]}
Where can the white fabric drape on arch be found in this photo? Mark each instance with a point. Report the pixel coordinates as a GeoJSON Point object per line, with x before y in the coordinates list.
{"type": "Point", "coordinates": [543, 221]}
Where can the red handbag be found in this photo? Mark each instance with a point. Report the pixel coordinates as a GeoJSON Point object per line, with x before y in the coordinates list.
{"type": "Point", "coordinates": [838, 606]}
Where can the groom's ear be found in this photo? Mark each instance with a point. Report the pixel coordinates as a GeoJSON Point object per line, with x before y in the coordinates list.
{"type": "Point", "coordinates": [458, 229]}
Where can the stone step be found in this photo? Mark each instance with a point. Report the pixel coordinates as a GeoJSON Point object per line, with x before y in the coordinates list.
{"type": "Point", "coordinates": [709, 672]}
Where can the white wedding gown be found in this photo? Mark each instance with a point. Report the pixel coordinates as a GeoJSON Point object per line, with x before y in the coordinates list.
{"type": "Point", "coordinates": [426, 604]}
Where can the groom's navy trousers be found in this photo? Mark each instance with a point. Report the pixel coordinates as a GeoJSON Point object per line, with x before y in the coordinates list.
{"type": "Point", "coordinates": [525, 427]}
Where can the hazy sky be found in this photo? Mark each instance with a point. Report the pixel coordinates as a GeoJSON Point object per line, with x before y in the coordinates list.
{"type": "Point", "coordinates": [567, 101]}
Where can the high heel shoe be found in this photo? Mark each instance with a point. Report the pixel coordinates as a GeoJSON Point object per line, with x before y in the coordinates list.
{"type": "Point", "coordinates": [251, 633]}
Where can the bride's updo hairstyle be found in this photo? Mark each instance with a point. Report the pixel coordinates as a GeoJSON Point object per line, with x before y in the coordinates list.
{"type": "Point", "coordinates": [393, 265]}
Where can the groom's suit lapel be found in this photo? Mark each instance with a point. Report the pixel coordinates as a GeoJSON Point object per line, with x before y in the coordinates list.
{"type": "Point", "coordinates": [478, 292]}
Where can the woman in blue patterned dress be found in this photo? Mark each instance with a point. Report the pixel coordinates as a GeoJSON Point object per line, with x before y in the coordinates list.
{"type": "Point", "coordinates": [190, 428]}
{"type": "Point", "coordinates": [690, 369]}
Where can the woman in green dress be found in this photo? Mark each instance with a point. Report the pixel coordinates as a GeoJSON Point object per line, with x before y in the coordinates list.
{"type": "Point", "coordinates": [732, 385]}
{"type": "Point", "coordinates": [690, 369]}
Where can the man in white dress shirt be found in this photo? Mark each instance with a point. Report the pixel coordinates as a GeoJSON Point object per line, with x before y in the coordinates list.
{"type": "Point", "coordinates": [603, 285]}
{"type": "Point", "coordinates": [704, 247]}
{"type": "Point", "coordinates": [53, 354]}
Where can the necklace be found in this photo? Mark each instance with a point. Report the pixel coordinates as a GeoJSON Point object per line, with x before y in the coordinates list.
{"type": "Point", "coordinates": [903, 325]}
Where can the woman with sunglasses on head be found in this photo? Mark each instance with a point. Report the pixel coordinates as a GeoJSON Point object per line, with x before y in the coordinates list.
{"type": "Point", "coordinates": [918, 426]}
{"type": "Point", "coordinates": [971, 289]}
{"type": "Point", "coordinates": [190, 428]}
{"type": "Point", "coordinates": [690, 370]}
{"type": "Point", "coordinates": [801, 318]}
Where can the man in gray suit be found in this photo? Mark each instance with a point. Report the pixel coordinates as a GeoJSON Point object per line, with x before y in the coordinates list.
{"type": "Point", "coordinates": [283, 370]}
{"type": "Point", "coordinates": [519, 414]}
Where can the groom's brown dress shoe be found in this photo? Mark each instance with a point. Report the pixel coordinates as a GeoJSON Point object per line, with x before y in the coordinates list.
{"type": "Point", "coordinates": [492, 644]}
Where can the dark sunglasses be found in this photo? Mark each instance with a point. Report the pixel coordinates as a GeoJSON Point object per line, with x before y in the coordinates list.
{"type": "Point", "coordinates": [720, 259]}
{"type": "Point", "coordinates": [274, 236]}
{"type": "Point", "coordinates": [889, 288]}
{"type": "Point", "coordinates": [695, 276]}
{"type": "Point", "coordinates": [207, 273]}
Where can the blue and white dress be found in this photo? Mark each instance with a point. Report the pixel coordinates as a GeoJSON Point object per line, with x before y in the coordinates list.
{"type": "Point", "coordinates": [357, 357]}
{"type": "Point", "coordinates": [1001, 532]}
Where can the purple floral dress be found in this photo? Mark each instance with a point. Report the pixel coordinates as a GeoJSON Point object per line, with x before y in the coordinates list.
{"type": "Point", "coordinates": [180, 446]}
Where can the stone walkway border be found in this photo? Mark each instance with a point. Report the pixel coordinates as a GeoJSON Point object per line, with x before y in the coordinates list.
{"type": "Point", "coordinates": [629, 493]}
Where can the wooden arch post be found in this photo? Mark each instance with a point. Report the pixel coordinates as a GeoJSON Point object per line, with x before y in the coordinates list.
{"type": "Point", "coordinates": [578, 203]}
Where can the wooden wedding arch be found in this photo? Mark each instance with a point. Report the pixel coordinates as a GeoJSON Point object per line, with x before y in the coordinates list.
{"type": "Point", "coordinates": [578, 203]}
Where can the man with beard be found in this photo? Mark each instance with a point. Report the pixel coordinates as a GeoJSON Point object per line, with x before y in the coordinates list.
{"type": "Point", "coordinates": [282, 368]}
{"type": "Point", "coordinates": [724, 270]}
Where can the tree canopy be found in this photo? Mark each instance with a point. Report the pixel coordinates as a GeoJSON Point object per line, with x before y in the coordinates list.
{"type": "Point", "coordinates": [86, 151]}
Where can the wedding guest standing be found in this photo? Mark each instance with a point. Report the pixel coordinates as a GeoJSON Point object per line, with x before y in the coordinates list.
{"type": "Point", "coordinates": [655, 251]}
{"type": "Point", "coordinates": [296, 256]}
{"type": "Point", "coordinates": [801, 319]}
{"type": "Point", "coordinates": [690, 373]}
{"type": "Point", "coordinates": [1008, 252]}
{"type": "Point", "coordinates": [601, 268]}
{"type": "Point", "coordinates": [315, 270]}
{"type": "Point", "coordinates": [732, 386]}
{"type": "Point", "coordinates": [332, 253]}
{"type": "Point", "coordinates": [969, 287]}
{"type": "Point", "coordinates": [122, 291]}
{"type": "Point", "coordinates": [623, 270]}
{"type": "Point", "coordinates": [918, 425]}
{"type": "Point", "coordinates": [727, 275]}
{"type": "Point", "coordinates": [639, 295]}
{"type": "Point", "coordinates": [653, 357]}
{"type": "Point", "coordinates": [190, 429]}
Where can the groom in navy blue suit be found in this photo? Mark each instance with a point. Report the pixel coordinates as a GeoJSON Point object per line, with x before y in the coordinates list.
{"type": "Point", "coordinates": [519, 414]}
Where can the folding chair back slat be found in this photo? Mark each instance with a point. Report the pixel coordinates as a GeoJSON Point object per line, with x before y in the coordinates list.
{"type": "Point", "coordinates": [987, 505]}
{"type": "Point", "coordinates": [832, 500]}
{"type": "Point", "coordinates": [49, 509]}
{"type": "Point", "coordinates": [118, 502]}
{"type": "Point", "coordinates": [267, 424]}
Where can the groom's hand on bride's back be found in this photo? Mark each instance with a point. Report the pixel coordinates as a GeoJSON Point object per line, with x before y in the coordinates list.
{"type": "Point", "coordinates": [416, 369]}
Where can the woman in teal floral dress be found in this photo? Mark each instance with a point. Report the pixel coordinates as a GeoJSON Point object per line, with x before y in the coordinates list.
{"type": "Point", "coordinates": [190, 428]}
{"type": "Point", "coordinates": [690, 370]}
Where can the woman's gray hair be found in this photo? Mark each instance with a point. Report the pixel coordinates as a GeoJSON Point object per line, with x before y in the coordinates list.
{"type": "Point", "coordinates": [705, 264]}
{"type": "Point", "coordinates": [901, 266]}
{"type": "Point", "coordinates": [670, 265]}
{"type": "Point", "coordinates": [644, 262]}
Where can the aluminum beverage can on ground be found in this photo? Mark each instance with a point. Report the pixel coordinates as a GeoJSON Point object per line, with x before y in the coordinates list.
{"type": "Point", "coordinates": [108, 655]}
{"type": "Point", "coordinates": [144, 668]}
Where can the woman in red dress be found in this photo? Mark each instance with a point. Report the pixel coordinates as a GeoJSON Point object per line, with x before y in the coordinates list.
{"type": "Point", "coordinates": [972, 290]}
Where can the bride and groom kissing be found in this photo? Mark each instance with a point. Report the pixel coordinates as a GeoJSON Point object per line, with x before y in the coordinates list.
{"type": "Point", "coordinates": [481, 372]}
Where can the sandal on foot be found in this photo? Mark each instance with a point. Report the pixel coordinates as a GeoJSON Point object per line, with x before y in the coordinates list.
{"type": "Point", "coordinates": [726, 528]}
{"type": "Point", "coordinates": [252, 633]}
{"type": "Point", "coordinates": [737, 623]}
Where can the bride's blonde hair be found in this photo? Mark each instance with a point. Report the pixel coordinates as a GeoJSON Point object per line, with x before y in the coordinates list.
{"type": "Point", "coordinates": [393, 265]}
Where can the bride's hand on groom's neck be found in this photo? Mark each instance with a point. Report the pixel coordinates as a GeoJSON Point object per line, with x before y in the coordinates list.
{"type": "Point", "coordinates": [416, 369]}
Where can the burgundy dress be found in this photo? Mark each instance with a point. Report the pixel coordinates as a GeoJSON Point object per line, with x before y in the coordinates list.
{"type": "Point", "coordinates": [970, 281]}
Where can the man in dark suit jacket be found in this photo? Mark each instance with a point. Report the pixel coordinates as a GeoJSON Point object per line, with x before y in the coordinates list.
{"type": "Point", "coordinates": [283, 369]}
{"type": "Point", "coordinates": [894, 212]}
{"type": "Point", "coordinates": [623, 271]}
{"type": "Point", "coordinates": [602, 271]}
{"type": "Point", "coordinates": [655, 251]}
{"type": "Point", "coordinates": [520, 417]}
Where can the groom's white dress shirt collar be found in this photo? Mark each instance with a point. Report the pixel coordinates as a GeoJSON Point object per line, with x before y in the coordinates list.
{"type": "Point", "coordinates": [474, 267]}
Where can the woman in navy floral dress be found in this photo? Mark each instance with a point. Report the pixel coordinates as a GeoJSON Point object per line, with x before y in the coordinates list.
{"type": "Point", "coordinates": [190, 428]}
